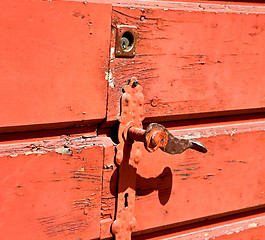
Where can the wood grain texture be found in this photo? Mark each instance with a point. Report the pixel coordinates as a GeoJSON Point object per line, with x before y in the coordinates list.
{"type": "Point", "coordinates": [53, 60]}
{"type": "Point", "coordinates": [191, 62]}
{"type": "Point", "coordinates": [177, 189]}
{"type": "Point", "coordinates": [51, 189]}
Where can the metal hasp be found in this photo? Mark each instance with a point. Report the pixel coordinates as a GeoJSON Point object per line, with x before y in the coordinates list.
{"type": "Point", "coordinates": [157, 136]}
{"type": "Point", "coordinates": [131, 135]}
{"type": "Point", "coordinates": [127, 157]}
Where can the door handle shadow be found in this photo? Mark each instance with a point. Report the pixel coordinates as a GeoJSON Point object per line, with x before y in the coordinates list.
{"type": "Point", "coordinates": [145, 186]}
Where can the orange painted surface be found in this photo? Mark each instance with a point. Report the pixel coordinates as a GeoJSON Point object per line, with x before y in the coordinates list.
{"type": "Point", "coordinates": [256, 233]}
{"type": "Point", "coordinates": [193, 60]}
{"type": "Point", "coordinates": [203, 62]}
{"type": "Point", "coordinates": [50, 191]}
{"type": "Point", "coordinates": [240, 227]}
{"type": "Point", "coordinates": [54, 56]}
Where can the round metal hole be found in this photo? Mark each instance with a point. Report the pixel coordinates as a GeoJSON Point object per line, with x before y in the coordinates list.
{"type": "Point", "coordinates": [127, 41]}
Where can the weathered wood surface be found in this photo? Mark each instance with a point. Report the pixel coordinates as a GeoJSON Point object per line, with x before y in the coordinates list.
{"type": "Point", "coordinates": [51, 189]}
{"type": "Point", "coordinates": [192, 60]}
{"type": "Point", "coordinates": [257, 233]}
{"type": "Point", "coordinates": [53, 58]}
{"type": "Point", "coordinates": [238, 227]}
{"type": "Point", "coordinates": [203, 61]}
{"type": "Point", "coordinates": [109, 189]}
{"type": "Point", "coordinates": [175, 189]}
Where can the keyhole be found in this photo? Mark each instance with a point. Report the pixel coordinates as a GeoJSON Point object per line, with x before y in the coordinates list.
{"type": "Point", "coordinates": [124, 43]}
{"type": "Point", "coordinates": [127, 41]}
{"type": "Point", "coordinates": [126, 200]}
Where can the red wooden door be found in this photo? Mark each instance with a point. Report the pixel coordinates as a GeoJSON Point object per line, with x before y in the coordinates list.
{"type": "Point", "coordinates": [201, 69]}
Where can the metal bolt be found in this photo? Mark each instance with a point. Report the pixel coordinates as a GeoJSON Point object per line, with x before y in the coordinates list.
{"type": "Point", "coordinates": [135, 83]}
{"type": "Point", "coordinates": [142, 18]}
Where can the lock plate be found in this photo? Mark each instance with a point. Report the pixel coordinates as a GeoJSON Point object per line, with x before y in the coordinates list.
{"type": "Point", "coordinates": [126, 39]}
{"type": "Point", "coordinates": [127, 157]}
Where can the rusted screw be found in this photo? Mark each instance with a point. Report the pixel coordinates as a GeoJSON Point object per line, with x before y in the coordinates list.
{"type": "Point", "coordinates": [135, 83]}
{"type": "Point", "coordinates": [142, 18]}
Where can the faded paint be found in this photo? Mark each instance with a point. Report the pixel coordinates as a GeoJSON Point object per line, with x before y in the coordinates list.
{"type": "Point", "coordinates": [64, 145]}
{"type": "Point", "coordinates": [192, 6]}
{"type": "Point", "coordinates": [225, 129]}
{"type": "Point", "coordinates": [225, 229]}
{"type": "Point", "coordinates": [54, 196]}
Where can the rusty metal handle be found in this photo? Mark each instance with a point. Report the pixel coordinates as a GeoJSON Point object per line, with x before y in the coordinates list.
{"type": "Point", "coordinates": [157, 136]}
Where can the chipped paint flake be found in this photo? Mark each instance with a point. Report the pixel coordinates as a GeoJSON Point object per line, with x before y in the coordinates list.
{"type": "Point", "coordinates": [230, 129]}
{"type": "Point", "coordinates": [233, 132]}
{"type": "Point", "coordinates": [109, 77]}
{"type": "Point", "coordinates": [13, 155]}
{"type": "Point", "coordinates": [253, 225]}
{"type": "Point", "coordinates": [64, 145]}
{"type": "Point", "coordinates": [82, 169]}
{"type": "Point", "coordinates": [34, 152]}
{"type": "Point", "coordinates": [63, 150]}
{"type": "Point", "coordinates": [193, 135]}
{"type": "Point", "coordinates": [112, 50]}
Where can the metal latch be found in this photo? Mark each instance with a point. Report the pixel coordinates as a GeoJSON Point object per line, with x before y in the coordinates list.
{"type": "Point", "coordinates": [131, 135]}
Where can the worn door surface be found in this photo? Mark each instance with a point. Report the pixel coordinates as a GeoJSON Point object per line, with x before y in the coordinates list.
{"type": "Point", "coordinates": [201, 67]}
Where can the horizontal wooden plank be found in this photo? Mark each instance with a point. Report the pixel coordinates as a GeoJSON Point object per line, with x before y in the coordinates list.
{"type": "Point", "coordinates": [236, 227]}
{"type": "Point", "coordinates": [193, 186]}
{"type": "Point", "coordinates": [190, 5]}
{"type": "Point", "coordinates": [192, 62]}
{"type": "Point", "coordinates": [54, 55]}
{"type": "Point", "coordinates": [51, 189]}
